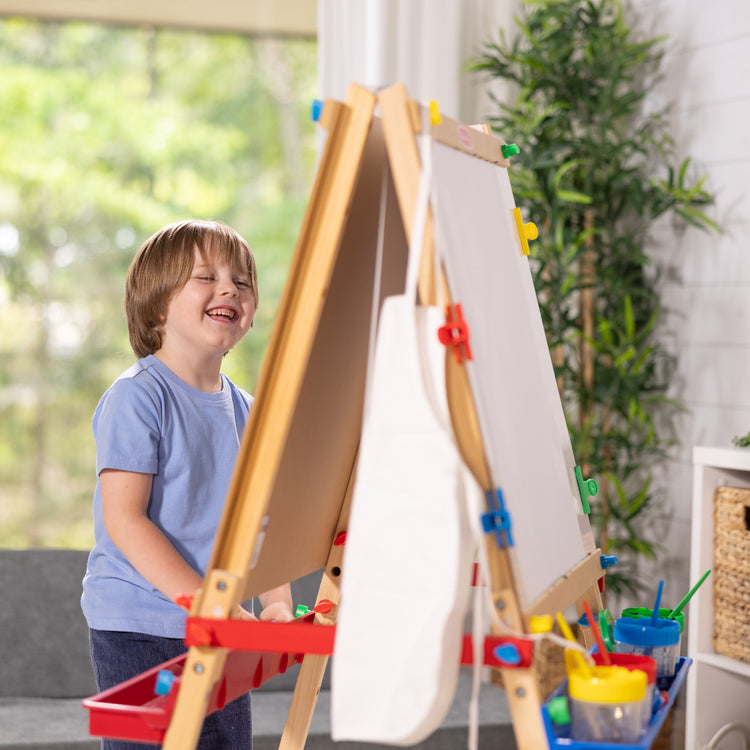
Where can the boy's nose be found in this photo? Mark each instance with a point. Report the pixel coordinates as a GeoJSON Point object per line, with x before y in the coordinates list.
{"type": "Point", "coordinates": [227, 286]}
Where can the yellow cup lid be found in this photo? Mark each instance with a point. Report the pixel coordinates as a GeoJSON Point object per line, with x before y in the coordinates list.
{"type": "Point", "coordinates": [602, 684]}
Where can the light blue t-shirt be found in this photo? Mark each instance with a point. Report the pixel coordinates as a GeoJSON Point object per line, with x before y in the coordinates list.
{"type": "Point", "coordinates": [152, 422]}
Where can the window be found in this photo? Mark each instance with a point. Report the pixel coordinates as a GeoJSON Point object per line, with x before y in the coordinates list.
{"type": "Point", "coordinates": [107, 134]}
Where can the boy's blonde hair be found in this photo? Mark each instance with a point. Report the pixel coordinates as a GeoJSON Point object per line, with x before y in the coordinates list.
{"type": "Point", "coordinates": [162, 266]}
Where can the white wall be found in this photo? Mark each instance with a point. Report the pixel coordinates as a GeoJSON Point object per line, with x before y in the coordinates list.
{"type": "Point", "coordinates": [706, 282]}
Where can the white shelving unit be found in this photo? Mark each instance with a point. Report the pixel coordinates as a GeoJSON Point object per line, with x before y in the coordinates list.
{"type": "Point", "coordinates": [718, 688]}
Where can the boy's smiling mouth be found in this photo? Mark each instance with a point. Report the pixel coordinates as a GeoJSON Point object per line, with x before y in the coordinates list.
{"type": "Point", "coordinates": [222, 313]}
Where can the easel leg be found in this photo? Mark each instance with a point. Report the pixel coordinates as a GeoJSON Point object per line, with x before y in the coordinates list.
{"type": "Point", "coordinates": [521, 685]}
{"type": "Point", "coordinates": [203, 668]}
{"type": "Point", "coordinates": [310, 677]}
{"type": "Point", "coordinates": [525, 701]}
{"type": "Point", "coordinates": [205, 664]}
{"type": "Point", "coordinates": [313, 666]}
{"type": "Point", "coordinates": [304, 699]}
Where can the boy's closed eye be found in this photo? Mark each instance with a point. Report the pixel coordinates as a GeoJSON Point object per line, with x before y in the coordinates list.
{"type": "Point", "coordinates": [239, 281]}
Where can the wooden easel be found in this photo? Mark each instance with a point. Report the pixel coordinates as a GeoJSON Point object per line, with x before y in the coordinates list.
{"type": "Point", "coordinates": [288, 502]}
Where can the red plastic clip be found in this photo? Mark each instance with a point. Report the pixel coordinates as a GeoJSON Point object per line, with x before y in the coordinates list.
{"type": "Point", "coordinates": [455, 333]}
{"type": "Point", "coordinates": [200, 635]}
{"type": "Point", "coordinates": [323, 607]}
{"type": "Point", "coordinates": [185, 601]}
{"type": "Point", "coordinates": [340, 539]}
{"type": "Point", "coordinates": [500, 652]}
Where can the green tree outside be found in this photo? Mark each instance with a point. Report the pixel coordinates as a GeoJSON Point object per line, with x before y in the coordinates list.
{"type": "Point", "coordinates": [107, 134]}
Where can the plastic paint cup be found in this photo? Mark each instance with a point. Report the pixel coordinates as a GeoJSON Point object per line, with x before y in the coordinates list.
{"type": "Point", "coordinates": [607, 704]}
{"type": "Point", "coordinates": [638, 612]}
{"type": "Point", "coordinates": [645, 664]}
{"type": "Point", "coordinates": [660, 640]}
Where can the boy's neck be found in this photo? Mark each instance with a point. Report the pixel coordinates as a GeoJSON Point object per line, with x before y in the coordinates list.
{"type": "Point", "coordinates": [205, 376]}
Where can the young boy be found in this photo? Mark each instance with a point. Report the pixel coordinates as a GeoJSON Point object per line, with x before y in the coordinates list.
{"type": "Point", "coordinates": [167, 435]}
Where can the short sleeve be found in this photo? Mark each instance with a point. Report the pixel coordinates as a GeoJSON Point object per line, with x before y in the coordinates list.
{"type": "Point", "coordinates": [127, 428]}
{"type": "Point", "coordinates": [241, 400]}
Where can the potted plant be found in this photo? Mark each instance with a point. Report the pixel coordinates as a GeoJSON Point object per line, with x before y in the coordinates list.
{"type": "Point", "coordinates": [594, 173]}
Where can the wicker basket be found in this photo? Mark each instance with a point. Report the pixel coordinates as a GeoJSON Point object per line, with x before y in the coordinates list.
{"type": "Point", "coordinates": [731, 572]}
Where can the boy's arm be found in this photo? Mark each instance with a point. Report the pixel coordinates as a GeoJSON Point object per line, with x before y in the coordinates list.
{"type": "Point", "coordinates": [125, 497]}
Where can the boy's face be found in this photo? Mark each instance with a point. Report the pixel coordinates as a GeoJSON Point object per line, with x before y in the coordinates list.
{"type": "Point", "coordinates": [211, 313]}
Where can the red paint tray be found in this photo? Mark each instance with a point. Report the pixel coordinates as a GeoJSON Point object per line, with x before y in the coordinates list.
{"type": "Point", "coordinates": [132, 710]}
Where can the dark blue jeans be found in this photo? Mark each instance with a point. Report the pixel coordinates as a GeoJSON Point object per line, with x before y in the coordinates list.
{"type": "Point", "coordinates": [117, 657]}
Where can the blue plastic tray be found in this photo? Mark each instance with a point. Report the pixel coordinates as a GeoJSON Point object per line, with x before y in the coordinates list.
{"type": "Point", "coordinates": [558, 736]}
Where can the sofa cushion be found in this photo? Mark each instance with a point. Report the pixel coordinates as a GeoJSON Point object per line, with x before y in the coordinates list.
{"type": "Point", "coordinates": [43, 634]}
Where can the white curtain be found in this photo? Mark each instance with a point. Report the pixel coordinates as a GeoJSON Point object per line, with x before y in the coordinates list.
{"type": "Point", "coordinates": [424, 44]}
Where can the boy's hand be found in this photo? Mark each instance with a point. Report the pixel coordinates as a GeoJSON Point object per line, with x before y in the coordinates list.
{"type": "Point", "coordinates": [277, 604]}
{"type": "Point", "coordinates": [243, 614]}
{"type": "Point", "coordinates": [277, 612]}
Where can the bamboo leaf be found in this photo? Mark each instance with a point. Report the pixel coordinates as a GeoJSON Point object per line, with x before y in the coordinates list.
{"type": "Point", "coordinates": [571, 196]}
{"type": "Point", "coordinates": [629, 318]}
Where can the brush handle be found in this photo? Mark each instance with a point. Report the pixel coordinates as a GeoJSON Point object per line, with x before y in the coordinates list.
{"type": "Point", "coordinates": [657, 603]}
{"type": "Point", "coordinates": [685, 599]}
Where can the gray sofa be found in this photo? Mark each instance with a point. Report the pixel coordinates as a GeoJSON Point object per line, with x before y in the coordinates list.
{"type": "Point", "coordinates": [45, 668]}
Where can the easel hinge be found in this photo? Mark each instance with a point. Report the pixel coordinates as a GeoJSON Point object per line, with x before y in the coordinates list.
{"type": "Point", "coordinates": [497, 519]}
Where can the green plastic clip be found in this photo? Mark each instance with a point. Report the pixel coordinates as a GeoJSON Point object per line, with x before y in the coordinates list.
{"type": "Point", "coordinates": [302, 610]}
{"type": "Point", "coordinates": [558, 710]}
{"type": "Point", "coordinates": [587, 488]}
{"type": "Point", "coordinates": [509, 149]}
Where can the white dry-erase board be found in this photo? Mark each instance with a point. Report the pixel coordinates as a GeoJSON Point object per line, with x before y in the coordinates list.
{"type": "Point", "coordinates": [523, 428]}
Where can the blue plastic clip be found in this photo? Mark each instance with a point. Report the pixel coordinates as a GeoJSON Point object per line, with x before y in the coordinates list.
{"type": "Point", "coordinates": [317, 108]}
{"type": "Point", "coordinates": [507, 653]}
{"type": "Point", "coordinates": [497, 519]}
{"type": "Point", "coordinates": [607, 561]}
{"type": "Point", "coordinates": [164, 681]}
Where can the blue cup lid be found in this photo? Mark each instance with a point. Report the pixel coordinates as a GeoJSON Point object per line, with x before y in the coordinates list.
{"type": "Point", "coordinates": [642, 633]}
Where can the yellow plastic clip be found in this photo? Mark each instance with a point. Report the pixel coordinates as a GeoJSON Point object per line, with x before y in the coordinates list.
{"type": "Point", "coordinates": [526, 232]}
{"type": "Point", "coordinates": [540, 623]}
{"type": "Point", "coordinates": [435, 117]}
